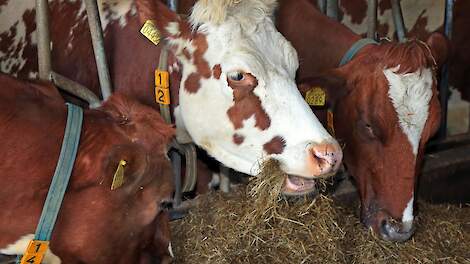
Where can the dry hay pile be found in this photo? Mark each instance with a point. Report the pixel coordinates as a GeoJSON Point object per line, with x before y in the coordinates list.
{"type": "Point", "coordinates": [255, 226]}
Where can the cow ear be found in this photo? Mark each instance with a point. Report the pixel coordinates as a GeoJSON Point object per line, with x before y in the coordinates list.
{"type": "Point", "coordinates": [169, 24]}
{"type": "Point", "coordinates": [125, 167]}
{"type": "Point", "coordinates": [332, 82]}
{"type": "Point", "coordinates": [440, 47]}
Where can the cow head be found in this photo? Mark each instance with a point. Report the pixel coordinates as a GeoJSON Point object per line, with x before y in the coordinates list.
{"type": "Point", "coordinates": [389, 111]}
{"type": "Point", "coordinates": [238, 99]}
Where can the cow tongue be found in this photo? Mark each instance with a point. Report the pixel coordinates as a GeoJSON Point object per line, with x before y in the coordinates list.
{"type": "Point", "coordinates": [299, 184]}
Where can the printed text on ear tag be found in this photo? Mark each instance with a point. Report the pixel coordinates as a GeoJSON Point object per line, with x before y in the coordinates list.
{"type": "Point", "coordinates": [118, 179]}
{"type": "Point", "coordinates": [316, 97]}
{"type": "Point", "coordinates": [35, 252]}
{"type": "Point", "coordinates": [150, 31]}
{"type": "Point", "coordinates": [162, 90]}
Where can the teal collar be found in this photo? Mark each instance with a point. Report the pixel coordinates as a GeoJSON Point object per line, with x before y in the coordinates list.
{"type": "Point", "coordinates": [63, 171]}
{"type": "Point", "coordinates": [356, 47]}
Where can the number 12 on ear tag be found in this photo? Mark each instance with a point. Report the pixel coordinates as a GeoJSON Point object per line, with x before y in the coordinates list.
{"type": "Point", "coordinates": [162, 91]}
{"type": "Point", "coordinates": [35, 252]}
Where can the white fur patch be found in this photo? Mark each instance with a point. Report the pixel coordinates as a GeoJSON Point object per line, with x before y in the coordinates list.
{"type": "Point", "coordinates": [170, 250]}
{"type": "Point", "coordinates": [432, 11]}
{"type": "Point", "coordinates": [19, 247]}
{"type": "Point", "coordinates": [410, 94]}
{"type": "Point", "coordinates": [11, 16]}
{"type": "Point", "coordinates": [408, 212]}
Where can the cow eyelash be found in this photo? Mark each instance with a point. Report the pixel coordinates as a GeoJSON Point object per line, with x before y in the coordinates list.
{"type": "Point", "coordinates": [236, 76]}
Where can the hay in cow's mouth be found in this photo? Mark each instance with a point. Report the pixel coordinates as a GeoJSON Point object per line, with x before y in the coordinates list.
{"type": "Point", "coordinates": [255, 225]}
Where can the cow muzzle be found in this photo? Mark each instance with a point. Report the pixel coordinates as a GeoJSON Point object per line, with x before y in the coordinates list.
{"type": "Point", "coordinates": [388, 228]}
{"type": "Point", "coordinates": [323, 160]}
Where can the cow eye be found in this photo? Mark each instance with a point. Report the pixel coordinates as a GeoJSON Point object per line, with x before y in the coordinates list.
{"type": "Point", "coordinates": [236, 76]}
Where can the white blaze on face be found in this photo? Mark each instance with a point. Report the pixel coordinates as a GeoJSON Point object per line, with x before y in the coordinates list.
{"type": "Point", "coordinates": [410, 94]}
{"type": "Point", "coordinates": [19, 247]}
{"type": "Point", "coordinates": [244, 38]}
{"type": "Point", "coordinates": [408, 212]}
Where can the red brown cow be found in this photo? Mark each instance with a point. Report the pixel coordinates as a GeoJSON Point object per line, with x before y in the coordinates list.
{"type": "Point", "coordinates": [389, 110]}
{"type": "Point", "coordinates": [95, 224]}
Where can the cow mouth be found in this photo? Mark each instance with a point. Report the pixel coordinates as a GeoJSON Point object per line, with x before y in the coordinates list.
{"type": "Point", "coordinates": [298, 186]}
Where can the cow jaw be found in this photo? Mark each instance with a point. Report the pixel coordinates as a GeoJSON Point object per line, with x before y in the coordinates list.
{"type": "Point", "coordinates": [296, 186]}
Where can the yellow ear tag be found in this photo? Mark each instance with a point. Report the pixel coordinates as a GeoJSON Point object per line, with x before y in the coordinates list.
{"type": "Point", "coordinates": [162, 90]}
{"type": "Point", "coordinates": [150, 31]}
{"type": "Point", "coordinates": [316, 96]}
{"type": "Point", "coordinates": [35, 252]}
{"type": "Point", "coordinates": [118, 179]}
{"type": "Point", "coordinates": [330, 122]}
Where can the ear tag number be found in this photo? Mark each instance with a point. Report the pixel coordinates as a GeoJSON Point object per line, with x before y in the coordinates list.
{"type": "Point", "coordinates": [162, 91]}
{"type": "Point", "coordinates": [150, 31]}
{"type": "Point", "coordinates": [316, 96]}
{"type": "Point", "coordinates": [118, 179]}
{"type": "Point", "coordinates": [35, 252]}
{"type": "Point", "coordinates": [330, 122]}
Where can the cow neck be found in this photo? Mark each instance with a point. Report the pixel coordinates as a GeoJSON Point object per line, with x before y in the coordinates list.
{"type": "Point", "coordinates": [301, 13]}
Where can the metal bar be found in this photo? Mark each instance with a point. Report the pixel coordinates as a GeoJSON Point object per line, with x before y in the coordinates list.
{"type": "Point", "coordinates": [173, 5]}
{"type": "Point", "coordinates": [332, 9]}
{"type": "Point", "coordinates": [224, 179]}
{"type": "Point", "coordinates": [44, 39]}
{"type": "Point", "coordinates": [98, 47]}
{"type": "Point", "coordinates": [322, 6]}
{"type": "Point", "coordinates": [372, 19]}
{"type": "Point", "coordinates": [444, 84]}
{"type": "Point", "coordinates": [398, 20]}
{"type": "Point", "coordinates": [75, 88]}
{"type": "Point", "coordinates": [163, 66]}
{"type": "Point", "coordinates": [176, 165]}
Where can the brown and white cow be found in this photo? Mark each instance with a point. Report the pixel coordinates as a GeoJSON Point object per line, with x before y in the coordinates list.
{"type": "Point", "coordinates": [389, 111]}
{"type": "Point", "coordinates": [95, 224]}
{"type": "Point", "coordinates": [238, 98]}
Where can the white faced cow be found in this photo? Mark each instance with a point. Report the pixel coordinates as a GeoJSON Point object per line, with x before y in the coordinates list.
{"type": "Point", "coordinates": [237, 100]}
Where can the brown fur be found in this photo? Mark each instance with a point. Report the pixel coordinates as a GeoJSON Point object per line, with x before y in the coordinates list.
{"type": "Point", "coordinates": [275, 146]}
{"type": "Point", "coordinates": [91, 215]}
{"type": "Point", "coordinates": [377, 153]}
{"type": "Point", "coordinates": [247, 104]}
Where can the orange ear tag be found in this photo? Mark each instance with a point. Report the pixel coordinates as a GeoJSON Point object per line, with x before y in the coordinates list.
{"type": "Point", "coordinates": [316, 96]}
{"type": "Point", "coordinates": [162, 90]}
{"type": "Point", "coordinates": [35, 252]}
{"type": "Point", "coordinates": [150, 31]}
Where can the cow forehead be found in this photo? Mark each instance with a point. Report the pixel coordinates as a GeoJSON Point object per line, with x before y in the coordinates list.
{"type": "Point", "coordinates": [410, 94]}
{"type": "Point", "coordinates": [261, 51]}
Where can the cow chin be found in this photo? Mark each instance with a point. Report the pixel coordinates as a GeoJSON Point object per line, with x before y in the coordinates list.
{"type": "Point", "coordinates": [295, 186]}
{"type": "Point", "coordinates": [387, 227]}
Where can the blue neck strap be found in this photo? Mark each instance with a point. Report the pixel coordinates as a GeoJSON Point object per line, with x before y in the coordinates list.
{"type": "Point", "coordinates": [356, 47]}
{"type": "Point", "coordinates": [62, 173]}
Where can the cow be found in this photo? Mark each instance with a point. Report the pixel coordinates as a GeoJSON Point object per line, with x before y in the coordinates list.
{"type": "Point", "coordinates": [237, 100]}
{"type": "Point", "coordinates": [421, 18]}
{"type": "Point", "coordinates": [386, 108]}
{"type": "Point", "coordinates": [95, 224]}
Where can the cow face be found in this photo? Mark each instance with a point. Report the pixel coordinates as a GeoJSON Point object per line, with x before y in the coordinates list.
{"type": "Point", "coordinates": [388, 114]}
{"type": "Point", "coordinates": [238, 99]}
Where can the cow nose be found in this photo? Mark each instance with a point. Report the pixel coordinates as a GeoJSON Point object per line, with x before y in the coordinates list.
{"type": "Point", "coordinates": [324, 159]}
{"type": "Point", "coordinates": [392, 230]}
{"type": "Point", "coordinates": [388, 228]}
